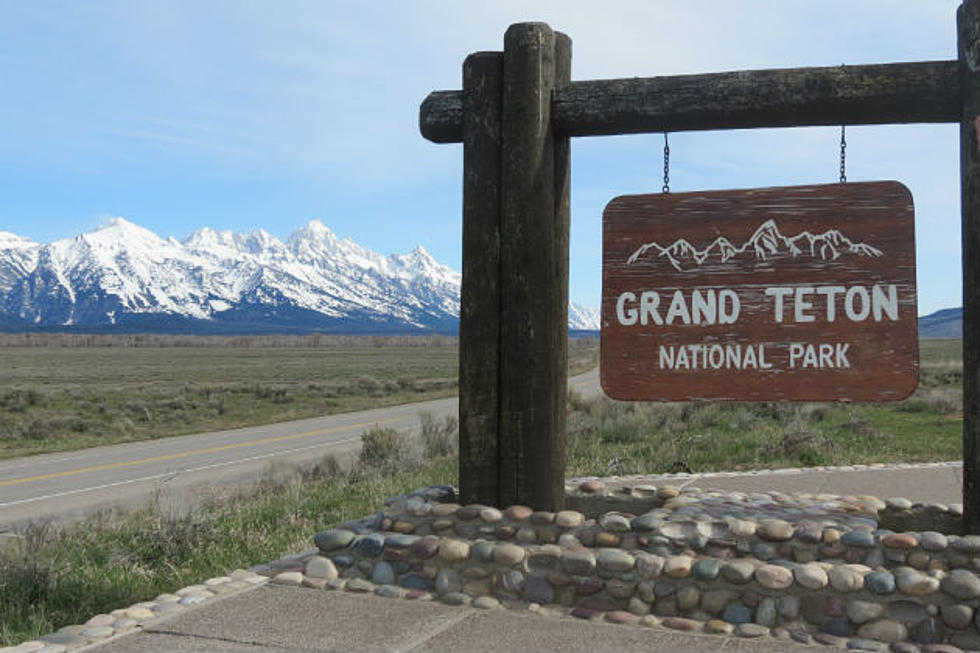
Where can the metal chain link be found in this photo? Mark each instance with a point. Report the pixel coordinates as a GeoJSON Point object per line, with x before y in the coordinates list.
{"type": "Point", "coordinates": [666, 188]}
{"type": "Point", "coordinates": [843, 156]}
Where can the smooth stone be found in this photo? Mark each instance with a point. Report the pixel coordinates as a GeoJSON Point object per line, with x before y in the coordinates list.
{"type": "Point", "coordinates": [751, 630]}
{"type": "Point", "coordinates": [508, 555]}
{"type": "Point", "coordinates": [858, 538]}
{"type": "Point", "coordinates": [491, 515]}
{"type": "Point", "coordinates": [320, 567]}
{"type": "Point", "coordinates": [581, 563]}
{"type": "Point", "coordinates": [621, 617]}
{"type": "Point", "coordinates": [680, 623]}
{"type": "Point", "coordinates": [844, 579]}
{"type": "Point", "coordinates": [811, 576]}
{"type": "Point", "coordinates": [620, 589]}
{"type": "Point", "coordinates": [743, 528]}
{"type": "Point", "coordinates": [425, 548]}
{"type": "Point", "coordinates": [359, 585]}
{"type": "Point", "coordinates": [688, 597]}
{"type": "Point", "coordinates": [736, 613]}
{"type": "Point", "coordinates": [614, 523]}
{"type": "Point", "coordinates": [390, 591]}
{"type": "Point", "coordinates": [383, 574]}
{"type": "Point", "coordinates": [646, 522]}
{"type": "Point", "coordinates": [512, 581]}
{"type": "Point", "coordinates": [332, 539]}
{"type": "Point", "coordinates": [863, 611]}
{"type": "Point", "coordinates": [569, 519]}
{"type": "Point", "coordinates": [485, 603]}
{"type": "Point", "coordinates": [370, 545]}
{"type": "Point", "coordinates": [678, 566]}
{"type": "Point", "coordinates": [967, 544]}
{"type": "Point", "coordinates": [765, 612]}
{"type": "Point", "coordinates": [903, 647]}
{"type": "Point", "coordinates": [447, 581]}
{"type": "Point", "coordinates": [830, 640]}
{"type": "Point", "coordinates": [415, 582]}
{"type": "Point", "coordinates": [861, 644]}
{"type": "Point", "coordinates": [884, 630]}
{"type": "Point", "coordinates": [789, 606]}
{"type": "Point", "coordinates": [706, 568]}
{"type": "Point", "coordinates": [456, 598]}
{"type": "Point", "coordinates": [956, 616]}
{"type": "Point", "coordinates": [719, 627]}
{"type": "Point", "coordinates": [775, 530]}
{"type": "Point", "coordinates": [604, 539]}
{"type": "Point", "coordinates": [592, 486]}
{"type": "Point", "coordinates": [900, 541]}
{"type": "Point", "coordinates": [294, 578]}
{"type": "Point", "coordinates": [648, 566]}
{"type": "Point", "coordinates": [518, 513]}
{"type": "Point", "coordinates": [915, 583]}
{"type": "Point", "coordinates": [738, 572]}
{"type": "Point", "coordinates": [961, 584]}
{"type": "Point", "coordinates": [774, 577]}
{"type": "Point", "coordinates": [445, 509]}
{"type": "Point", "coordinates": [638, 606]}
{"type": "Point", "coordinates": [933, 541]}
{"type": "Point", "coordinates": [617, 560]}
{"type": "Point", "coordinates": [880, 582]}
{"type": "Point", "coordinates": [538, 590]}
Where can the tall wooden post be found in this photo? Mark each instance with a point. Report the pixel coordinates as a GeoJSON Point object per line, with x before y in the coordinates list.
{"type": "Point", "coordinates": [479, 311]}
{"type": "Point", "coordinates": [534, 271]}
{"type": "Point", "coordinates": [968, 22]}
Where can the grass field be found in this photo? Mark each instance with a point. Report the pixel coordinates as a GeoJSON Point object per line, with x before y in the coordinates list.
{"type": "Point", "coordinates": [79, 392]}
{"type": "Point", "coordinates": [607, 437]}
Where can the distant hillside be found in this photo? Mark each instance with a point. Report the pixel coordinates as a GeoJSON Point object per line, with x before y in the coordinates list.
{"type": "Point", "coordinates": [947, 323]}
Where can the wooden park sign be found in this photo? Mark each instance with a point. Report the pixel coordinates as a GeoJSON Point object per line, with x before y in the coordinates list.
{"type": "Point", "coordinates": [515, 116]}
{"type": "Point", "coordinates": [804, 293]}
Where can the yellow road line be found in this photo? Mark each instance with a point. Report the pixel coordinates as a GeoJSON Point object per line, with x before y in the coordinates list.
{"type": "Point", "coordinates": [185, 454]}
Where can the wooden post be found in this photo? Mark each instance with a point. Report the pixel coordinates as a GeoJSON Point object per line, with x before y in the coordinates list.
{"type": "Point", "coordinates": [534, 273]}
{"type": "Point", "coordinates": [479, 311]}
{"type": "Point", "coordinates": [968, 22]}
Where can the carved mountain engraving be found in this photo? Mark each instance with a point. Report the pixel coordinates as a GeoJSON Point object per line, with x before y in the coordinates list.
{"type": "Point", "coordinates": [766, 243]}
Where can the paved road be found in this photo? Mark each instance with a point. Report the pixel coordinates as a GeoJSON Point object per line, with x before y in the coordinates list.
{"type": "Point", "coordinates": [65, 486]}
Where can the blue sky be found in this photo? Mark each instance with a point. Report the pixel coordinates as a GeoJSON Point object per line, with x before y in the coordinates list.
{"type": "Point", "coordinates": [243, 115]}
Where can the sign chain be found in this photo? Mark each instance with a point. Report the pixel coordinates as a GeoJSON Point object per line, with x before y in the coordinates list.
{"type": "Point", "coordinates": [666, 188]}
{"type": "Point", "coordinates": [843, 155]}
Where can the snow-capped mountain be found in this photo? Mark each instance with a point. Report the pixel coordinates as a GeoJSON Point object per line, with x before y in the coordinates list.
{"type": "Point", "coordinates": [767, 242]}
{"type": "Point", "coordinates": [125, 277]}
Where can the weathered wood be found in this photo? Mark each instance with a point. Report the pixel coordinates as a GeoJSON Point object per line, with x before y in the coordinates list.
{"type": "Point", "coordinates": [805, 293]}
{"type": "Point", "coordinates": [479, 311]}
{"type": "Point", "coordinates": [534, 280]}
{"type": "Point", "coordinates": [968, 22]}
{"type": "Point", "coordinates": [918, 92]}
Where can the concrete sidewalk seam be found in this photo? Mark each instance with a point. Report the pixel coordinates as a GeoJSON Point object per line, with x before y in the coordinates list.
{"type": "Point", "coordinates": [215, 638]}
{"type": "Point", "coordinates": [414, 643]}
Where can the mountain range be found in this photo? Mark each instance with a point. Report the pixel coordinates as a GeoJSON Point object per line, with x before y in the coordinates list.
{"type": "Point", "coordinates": [125, 278]}
{"type": "Point", "coordinates": [767, 242]}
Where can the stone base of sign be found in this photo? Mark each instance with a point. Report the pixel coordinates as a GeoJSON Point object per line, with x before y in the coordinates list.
{"type": "Point", "coordinates": [813, 568]}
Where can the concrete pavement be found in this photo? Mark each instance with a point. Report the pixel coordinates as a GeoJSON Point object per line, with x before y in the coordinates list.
{"type": "Point", "coordinates": [277, 618]}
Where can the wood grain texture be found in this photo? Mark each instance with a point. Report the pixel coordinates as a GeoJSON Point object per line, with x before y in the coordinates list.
{"type": "Point", "coordinates": [743, 243]}
{"type": "Point", "coordinates": [916, 92]}
{"type": "Point", "coordinates": [479, 319]}
{"type": "Point", "coordinates": [534, 280]}
{"type": "Point", "coordinates": [968, 22]}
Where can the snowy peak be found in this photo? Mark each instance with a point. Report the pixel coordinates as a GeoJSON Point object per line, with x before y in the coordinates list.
{"type": "Point", "coordinates": [767, 242]}
{"type": "Point", "coordinates": [218, 281]}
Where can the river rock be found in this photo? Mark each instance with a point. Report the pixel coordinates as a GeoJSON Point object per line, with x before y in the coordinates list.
{"type": "Point", "coordinates": [884, 630]}
{"type": "Point", "coordinates": [956, 616]}
{"type": "Point", "coordinates": [863, 611]}
{"type": "Point", "coordinates": [811, 576]}
{"type": "Point", "coordinates": [332, 539]}
{"type": "Point", "coordinates": [452, 551]}
{"type": "Point", "coordinates": [615, 560]}
{"type": "Point", "coordinates": [961, 584]}
{"type": "Point", "coordinates": [678, 566]}
{"type": "Point", "coordinates": [880, 582]}
{"type": "Point", "coordinates": [774, 577]}
{"type": "Point", "coordinates": [775, 530]}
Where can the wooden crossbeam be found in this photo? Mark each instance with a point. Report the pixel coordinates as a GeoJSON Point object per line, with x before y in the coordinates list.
{"type": "Point", "coordinates": [918, 92]}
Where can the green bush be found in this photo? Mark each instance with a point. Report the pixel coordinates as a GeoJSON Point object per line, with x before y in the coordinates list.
{"type": "Point", "coordinates": [383, 449]}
